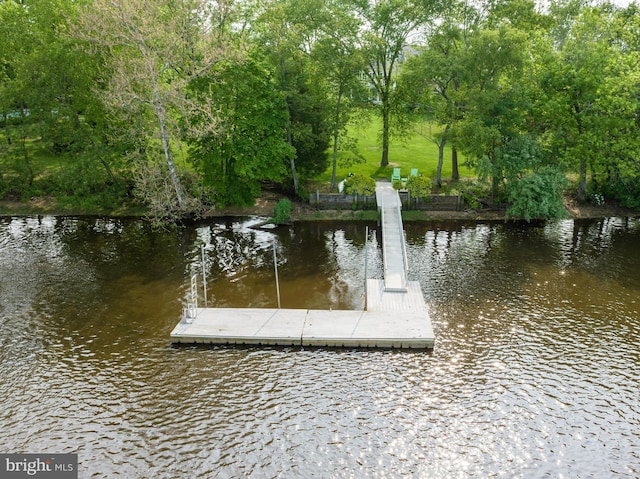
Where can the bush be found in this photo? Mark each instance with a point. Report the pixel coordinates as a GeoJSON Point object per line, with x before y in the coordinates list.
{"type": "Point", "coordinates": [420, 187]}
{"type": "Point", "coordinates": [282, 213]}
{"type": "Point", "coordinates": [397, 184]}
{"type": "Point", "coordinates": [359, 184]}
{"type": "Point", "coordinates": [596, 199]}
{"type": "Point", "coordinates": [537, 195]}
{"type": "Point", "coordinates": [471, 199]}
{"type": "Point", "coordinates": [625, 190]}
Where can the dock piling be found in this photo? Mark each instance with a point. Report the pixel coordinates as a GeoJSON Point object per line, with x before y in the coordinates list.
{"type": "Point", "coordinates": [204, 277]}
{"type": "Point", "coordinates": [275, 267]}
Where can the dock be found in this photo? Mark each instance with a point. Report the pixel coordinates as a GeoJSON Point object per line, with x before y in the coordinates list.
{"type": "Point", "coordinates": [395, 315]}
{"type": "Point", "coordinates": [394, 254]}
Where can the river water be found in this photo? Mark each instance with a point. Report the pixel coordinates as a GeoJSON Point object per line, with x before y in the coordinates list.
{"type": "Point", "coordinates": [534, 373]}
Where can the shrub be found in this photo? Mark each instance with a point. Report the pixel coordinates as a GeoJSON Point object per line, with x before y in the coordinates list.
{"type": "Point", "coordinates": [537, 195]}
{"type": "Point", "coordinates": [420, 187]}
{"type": "Point", "coordinates": [471, 200]}
{"type": "Point", "coordinates": [597, 199]}
{"type": "Point", "coordinates": [282, 213]}
{"type": "Point", "coordinates": [359, 184]}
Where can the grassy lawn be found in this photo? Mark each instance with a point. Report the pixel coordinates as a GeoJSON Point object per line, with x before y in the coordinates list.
{"type": "Point", "coordinates": [14, 149]}
{"type": "Point", "coordinates": [415, 151]}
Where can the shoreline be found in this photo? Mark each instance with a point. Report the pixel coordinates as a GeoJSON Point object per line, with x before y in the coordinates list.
{"type": "Point", "coordinates": [265, 206]}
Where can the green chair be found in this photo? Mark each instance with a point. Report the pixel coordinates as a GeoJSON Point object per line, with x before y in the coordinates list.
{"type": "Point", "coordinates": [414, 172]}
{"type": "Point", "coordinates": [396, 175]}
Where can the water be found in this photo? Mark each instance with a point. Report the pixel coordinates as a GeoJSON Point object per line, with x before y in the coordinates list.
{"type": "Point", "coordinates": [535, 371]}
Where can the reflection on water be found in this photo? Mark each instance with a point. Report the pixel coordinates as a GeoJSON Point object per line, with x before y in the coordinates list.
{"type": "Point", "coordinates": [534, 373]}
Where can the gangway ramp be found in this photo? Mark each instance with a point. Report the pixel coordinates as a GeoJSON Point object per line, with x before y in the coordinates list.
{"type": "Point", "coordinates": [394, 253]}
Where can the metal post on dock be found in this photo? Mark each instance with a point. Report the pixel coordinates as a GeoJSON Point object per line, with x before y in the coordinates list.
{"type": "Point", "coordinates": [275, 267]}
{"type": "Point", "coordinates": [366, 261]}
{"type": "Point", "coordinates": [204, 277]}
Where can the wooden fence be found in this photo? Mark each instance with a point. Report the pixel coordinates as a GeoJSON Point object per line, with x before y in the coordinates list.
{"type": "Point", "coordinates": [339, 201]}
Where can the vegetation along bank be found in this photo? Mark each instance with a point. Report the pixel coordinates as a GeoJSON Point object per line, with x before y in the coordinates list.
{"type": "Point", "coordinates": [182, 109]}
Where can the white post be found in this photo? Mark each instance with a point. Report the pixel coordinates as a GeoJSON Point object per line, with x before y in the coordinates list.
{"type": "Point", "coordinates": [366, 260]}
{"type": "Point", "coordinates": [204, 277]}
{"type": "Point", "coordinates": [191, 311]}
{"type": "Point", "coordinates": [275, 267]}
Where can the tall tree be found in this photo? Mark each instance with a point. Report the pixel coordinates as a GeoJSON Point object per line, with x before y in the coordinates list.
{"type": "Point", "coordinates": [250, 145]}
{"type": "Point", "coordinates": [155, 50]}
{"type": "Point", "coordinates": [340, 64]}
{"type": "Point", "coordinates": [283, 29]}
{"type": "Point", "coordinates": [491, 95]}
{"type": "Point", "coordinates": [589, 94]}
{"type": "Point", "coordinates": [49, 79]}
{"type": "Point", "coordinates": [431, 80]}
{"type": "Point", "coordinates": [385, 37]}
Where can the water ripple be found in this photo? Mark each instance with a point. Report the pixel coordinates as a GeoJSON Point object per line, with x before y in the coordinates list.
{"type": "Point", "coordinates": [534, 372]}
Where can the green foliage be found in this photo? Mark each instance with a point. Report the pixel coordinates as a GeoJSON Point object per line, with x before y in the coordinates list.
{"type": "Point", "coordinates": [625, 189]}
{"type": "Point", "coordinates": [419, 186]}
{"type": "Point", "coordinates": [310, 126]}
{"type": "Point", "coordinates": [471, 200]}
{"type": "Point", "coordinates": [86, 186]}
{"type": "Point", "coordinates": [250, 145]}
{"type": "Point", "coordinates": [522, 92]}
{"type": "Point", "coordinates": [397, 184]}
{"type": "Point", "coordinates": [360, 184]}
{"type": "Point", "coordinates": [282, 213]}
{"type": "Point", "coordinates": [597, 199]}
{"type": "Point", "coordinates": [537, 195]}
{"type": "Point", "coordinates": [384, 33]}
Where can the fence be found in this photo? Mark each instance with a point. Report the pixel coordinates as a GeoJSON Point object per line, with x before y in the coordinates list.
{"type": "Point", "coordinates": [339, 201]}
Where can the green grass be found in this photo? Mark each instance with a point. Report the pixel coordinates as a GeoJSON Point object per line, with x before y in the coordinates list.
{"type": "Point", "coordinates": [40, 159]}
{"type": "Point", "coordinates": [415, 151]}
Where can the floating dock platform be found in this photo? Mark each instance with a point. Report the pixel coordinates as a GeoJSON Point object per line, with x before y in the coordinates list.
{"type": "Point", "coordinates": [395, 316]}
{"type": "Point", "coordinates": [408, 328]}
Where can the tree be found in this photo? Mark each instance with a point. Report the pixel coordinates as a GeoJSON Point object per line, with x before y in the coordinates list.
{"type": "Point", "coordinates": [537, 195]}
{"type": "Point", "coordinates": [588, 96]}
{"type": "Point", "coordinates": [155, 49]}
{"type": "Point", "coordinates": [50, 82]}
{"type": "Point", "coordinates": [250, 144]}
{"type": "Point", "coordinates": [384, 38]}
{"type": "Point", "coordinates": [620, 178]}
{"type": "Point", "coordinates": [283, 30]}
{"type": "Point", "coordinates": [533, 188]}
{"type": "Point", "coordinates": [431, 80]}
{"type": "Point", "coordinates": [340, 64]}
{"type": "Point", "coordinates": [491, 93]}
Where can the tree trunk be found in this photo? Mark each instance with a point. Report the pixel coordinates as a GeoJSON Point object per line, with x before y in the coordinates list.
{"type": "Point", "coordinates": [336, 132]}
{"type": "Point", "coordinates": [443, 141]}
{"type": "Point", "coordinates": [385, 134]}
{"type": "Point", "coordinates": [582, 182]}
{"type": "Point", "coordinates": [27, 162]}
{"type": "Point", "coordinates": [455, 174]}
{"type": "Point", "coordinates": [292, 161]}
{"type": "Point", "coordinates": [173, 174]}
